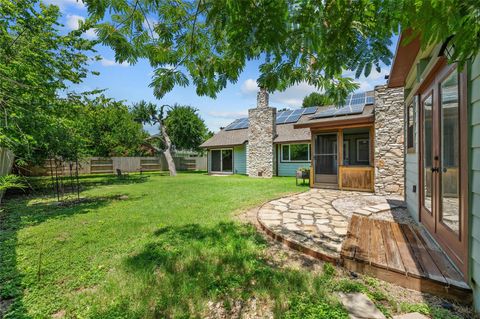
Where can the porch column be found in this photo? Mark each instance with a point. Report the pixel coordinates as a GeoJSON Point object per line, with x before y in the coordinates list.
{"type": "Point", "coordinates": [388, 141]}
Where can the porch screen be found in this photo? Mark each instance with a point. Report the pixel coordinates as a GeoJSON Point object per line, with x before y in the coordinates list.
{"type": "Point", "coordinates": [326, 154]}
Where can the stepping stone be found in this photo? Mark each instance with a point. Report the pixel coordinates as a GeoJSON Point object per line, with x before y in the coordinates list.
{"type": "Point", "coordinates": [383, 206]}
{"type": "Point", "coordinates": [324, 229]}
{"type": "Point", "coordinates": [340, 231]}
{"type": "Point", "coordinates": [363, 212]}
{"type": "Point", "coordinates": [413, 315]}
{"type": "Point", "coordinates": [359, 306]}
{"type": "Point", "coordinates": [322, 221]}
{"type": "Point", "coordinates": [281, 208]}
{"type": "Point", "coordinates": [291, 227]}
{"type": "Point", "coordinates": [270, 223]}
{"type": "Point", "coordinates": [290, 215]}
{"type": "Point", "coordinates": [309, 217]}
{"type": "Point", "coordinates": [270, 216]}
{"type": "Point", "coordinates": [277, 203]}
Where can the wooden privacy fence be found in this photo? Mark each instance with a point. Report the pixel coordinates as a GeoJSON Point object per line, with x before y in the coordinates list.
{"type": "Point", "coordinates": [109, 165]}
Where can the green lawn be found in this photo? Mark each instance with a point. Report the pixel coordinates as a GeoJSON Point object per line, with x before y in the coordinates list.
{"type": "Point", "coordinates": [152, 247]}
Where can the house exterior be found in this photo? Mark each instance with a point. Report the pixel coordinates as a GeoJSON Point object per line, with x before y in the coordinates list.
{"type": "Point", "coordinates": [355, 146]}
{"type": "Point", "coordinates": [442, 158]}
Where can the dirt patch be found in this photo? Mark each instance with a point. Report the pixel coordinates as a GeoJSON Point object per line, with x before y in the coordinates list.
{"type": "Point", "coordinates": [4, 305]}
{"type": "Point", "coordinates": [249, 309]}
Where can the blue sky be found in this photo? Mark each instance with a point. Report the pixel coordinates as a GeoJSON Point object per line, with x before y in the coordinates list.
{"type": "Point", "coordinates": [131, 82]}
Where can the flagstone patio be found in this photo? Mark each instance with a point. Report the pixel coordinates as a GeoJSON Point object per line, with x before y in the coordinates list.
{"type": "Point", "coordinates": [316, 221]}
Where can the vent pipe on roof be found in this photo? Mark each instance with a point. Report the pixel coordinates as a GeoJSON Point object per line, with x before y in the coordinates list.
{"type": "Point", "coordinates": [262, 98]}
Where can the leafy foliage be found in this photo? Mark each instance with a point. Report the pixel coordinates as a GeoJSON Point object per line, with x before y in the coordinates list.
{"type": "Point", "coordinates": [10, 181]}
{"type": "Point", "coordinates": [185, 127]}
{"type": "Point", "coordinates": [36, 62]}
{"type": "Point", "coordinates": [316, 99]}
{"type": "Point", "coordinates": [108, 128]}
{"type": "Point", "coordinates": [207, 43]}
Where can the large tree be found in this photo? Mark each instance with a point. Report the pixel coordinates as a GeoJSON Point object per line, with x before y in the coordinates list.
{"type": "Point", "coordinates": [207, 43]}
{"type": "Point", "coordinates": [150, 113]}
{"type": "Point", "coordinates": [108, 127]}
{"type": "Point", "coordinates": [316, 99]}
{"type": "Point", "coordinates": [36, 62]}
{"type": "Point", "coordinates": [185, 127]}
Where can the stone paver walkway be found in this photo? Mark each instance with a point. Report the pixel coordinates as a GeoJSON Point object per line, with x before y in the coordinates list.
{"type": "Point", "coordinates": [318, 219]}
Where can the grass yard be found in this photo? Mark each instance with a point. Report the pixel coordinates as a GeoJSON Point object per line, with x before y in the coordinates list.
{"type": "Point", "coordinates": [154, 247]}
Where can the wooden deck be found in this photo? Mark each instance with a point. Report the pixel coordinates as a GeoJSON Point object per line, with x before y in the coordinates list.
{"type": "Point", "coordinates": [398, 253]}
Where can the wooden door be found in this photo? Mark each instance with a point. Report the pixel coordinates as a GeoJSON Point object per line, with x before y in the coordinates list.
{"type": "Point", "coordinates": [443, 161]}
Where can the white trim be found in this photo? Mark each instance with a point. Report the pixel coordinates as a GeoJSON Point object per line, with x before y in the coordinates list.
{"type": "Point", "coordinates": [289, 153]}
{"type": "Point", "coordinates": [221, 171]}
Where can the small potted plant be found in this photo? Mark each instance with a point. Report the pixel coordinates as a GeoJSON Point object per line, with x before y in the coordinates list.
{"type": "Point", "coordinates": [303, 173]}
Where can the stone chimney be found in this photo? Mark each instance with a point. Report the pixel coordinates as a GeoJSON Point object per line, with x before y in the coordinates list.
{"type": "Point", "coordinates": [261, 132]}
{"type": "Point", "coordinates": [389, 137]}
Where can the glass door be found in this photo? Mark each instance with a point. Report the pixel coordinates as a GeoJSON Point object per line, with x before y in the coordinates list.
{"type": "Point", "coordinates": [222, 161]}
{"type": "Point", "coordinates": [443, 153]}
{"type": "Point", "coordinates": [326, 158]}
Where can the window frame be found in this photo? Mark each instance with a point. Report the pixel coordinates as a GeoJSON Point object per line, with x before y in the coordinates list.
{"type": "Point", "coordinates": [221, 159]}
{"type": "Point", "coordinates": [358, 141]}
{"type": "Point", "coordinates": [283, 160]}
{"type": "Point", "coordinates": [411, 110]}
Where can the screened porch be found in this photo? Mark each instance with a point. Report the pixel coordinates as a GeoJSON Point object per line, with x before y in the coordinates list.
{"type": "Point", "coordinates": [343, 158]}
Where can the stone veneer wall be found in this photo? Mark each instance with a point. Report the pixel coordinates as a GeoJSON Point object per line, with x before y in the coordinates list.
{"type": "Point", "coordinates": [389, 137]}
{"type": "Point", "coordinates": [261, 132]}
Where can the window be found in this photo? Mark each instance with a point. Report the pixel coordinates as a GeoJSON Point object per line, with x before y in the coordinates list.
{"type": "Point", "coordinates": [222, 160]}
{"type": "Point", "coordinates": [363, 150]}
{"type": "Point", "coordinates": [411, 114]}
{"type": "Point", "coordinates": [346, 152]}
{"type": "Point", "coordinates": [296, 153]}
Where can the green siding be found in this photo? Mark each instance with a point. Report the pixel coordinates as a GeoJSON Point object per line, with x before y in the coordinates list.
{"type": "Point", "coordinates": [288, 168]}
{"type": "Point", "coordinates": [239, 160]}
{"type": "Point", "coordinates": [474, 218]}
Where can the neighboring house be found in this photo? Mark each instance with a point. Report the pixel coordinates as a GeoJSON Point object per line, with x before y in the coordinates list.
{"type": "Point", "coordinates": [356, 146]}
{"type": "Point", "coordinates": [442, 180]}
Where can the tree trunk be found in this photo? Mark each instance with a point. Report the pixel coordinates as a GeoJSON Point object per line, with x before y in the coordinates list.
{"type": "Point", "coordinates": [168, 155]}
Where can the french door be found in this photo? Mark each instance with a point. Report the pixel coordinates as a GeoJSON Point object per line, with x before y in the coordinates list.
{"type": "Point", "coordinates": [443, 158]}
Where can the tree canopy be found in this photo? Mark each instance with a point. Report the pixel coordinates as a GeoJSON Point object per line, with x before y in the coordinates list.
{"type": "Point", "coordinates": [36, 62]}
{"type": "Point", "coordinates": [185, 127]}
{"type": "Point", "coordinates": [316, 99]}
{"type": "Point", "coordinates": [207, 43]}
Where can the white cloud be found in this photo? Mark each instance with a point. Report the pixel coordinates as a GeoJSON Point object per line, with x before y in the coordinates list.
{"type": "Point", "coordinates": [228, 115]}
{"type": "Point", "coordinates": [107, 62]}
{"type": "Point", "coordinates": [292, 96]}
{"type": "Point", "coordinates": [62, 4]}
{"type": "Point", "coordinates": [73, 23]}
{"type": "Point", "coordinates": [249, 87]}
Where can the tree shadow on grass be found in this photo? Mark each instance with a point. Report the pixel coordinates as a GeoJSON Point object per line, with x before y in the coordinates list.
{"type": "Point", "coordinates": [185, 267]}
{"type": "Point", "coordinates": [45, 185]}
{"type": "Point", "coordinates": [16, 215]}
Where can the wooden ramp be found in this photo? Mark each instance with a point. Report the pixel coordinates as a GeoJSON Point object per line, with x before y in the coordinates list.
{"type": "Point", "coordinates": [399, 254]}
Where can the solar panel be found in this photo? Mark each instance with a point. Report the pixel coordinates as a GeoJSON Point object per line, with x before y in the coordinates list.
{"type": "Point", "coordinates": [354, 104]}
{"type": "Point", "coordinates": [370, 100]}
{"type": "Point", "coordinates": [238, 124]}
{"type": "Point", "coordinates": [310, 110]}
{"type": "Point", "coordinates": [292, 116]}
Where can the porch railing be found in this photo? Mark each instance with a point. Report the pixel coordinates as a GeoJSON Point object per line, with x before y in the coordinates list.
{"type": "Point", "coordinates": [356, 178]}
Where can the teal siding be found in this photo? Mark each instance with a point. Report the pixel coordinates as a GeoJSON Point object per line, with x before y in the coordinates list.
{"type": "Point", "coordinates": [474, 218]}
{"type": "Point", "coordinates": [288, 168]}
{"type": "Point", "coordinates": [239, 160]}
